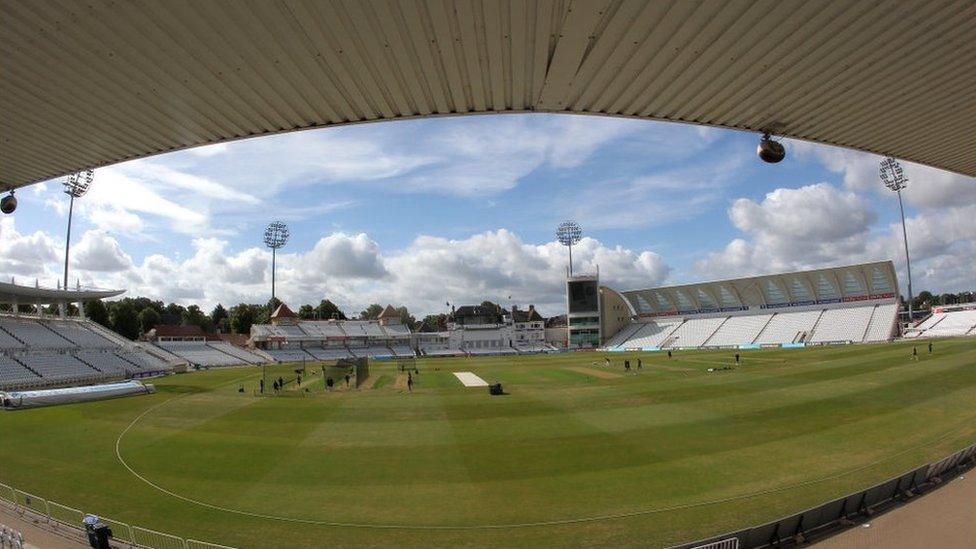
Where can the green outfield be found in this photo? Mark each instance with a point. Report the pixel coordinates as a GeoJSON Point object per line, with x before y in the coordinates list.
{"type": "Point", "coordinates": [574, 454]}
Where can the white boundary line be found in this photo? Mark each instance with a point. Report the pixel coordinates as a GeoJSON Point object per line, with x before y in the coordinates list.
{"type": "Point", "coordinates": [558, 522]}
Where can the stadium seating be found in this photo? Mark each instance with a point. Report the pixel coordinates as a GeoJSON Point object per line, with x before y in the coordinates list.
{"type": "Point", "coordinates": [374, 351]}
{"type": "Point", "coordinates": [652, 334]}
{"type": "Point", "coordinates": [402, 351]}
{"type": "Point", "coordinates": [694, 332]}
{"type": "Point", "coordinates": [105, 361]}
{"type": "Point", "coordinates": [834, 324]}
{"type": "Point", "coordinates": [328, 353]}
{"type": "Point", "coordinates": [243, 355]}
{"type": "Point", "coordinates": [8, 341]}
{"type": "Point", "coordinates": [738, 330]}
{"type": "Point", "coordinates": [35, 334]}
{"type": "Point", "coordinates": [14, 374]}
{"type": "Point", "coordinates": [77, 333]}
{"type": "Point", "coordinates": [623, 335]}
{"type": "Point", "coordinates": [882, 323]}
{"type": "Point", "coordinates": [322, 329]}
{"type": "Point", "coordinates": [289, 355]}
{"type": "Point", "coordinates": [57, 352]}
{"type": "Point", "coordinates": [948, 324]}
{"type": "Point", "coordinates": [142, 362]}
{"type": "Point", "coordinates": [199, 353]}
{"type": "Point", "coordinates": [60, 367]}
{"type": "Point", "coordinates": [397, 331]}
{"type": "Point", "coordinates": [788, 327]}
{"type": "Point", "coordinates": [846, 324]}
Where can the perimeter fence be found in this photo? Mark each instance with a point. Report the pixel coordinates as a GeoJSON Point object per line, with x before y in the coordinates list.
{"type": "Point", "coordinates": [123, 534]}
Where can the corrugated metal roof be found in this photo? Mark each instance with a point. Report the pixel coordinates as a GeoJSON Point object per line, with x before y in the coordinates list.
{"type": "Point", "coordinates": [86, 84]}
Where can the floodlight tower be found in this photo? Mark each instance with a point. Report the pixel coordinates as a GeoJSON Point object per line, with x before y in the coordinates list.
{"type": "Point", "coordinates": [275, 236]}
{"type": "Point", "coordinates": [75, 186]}
{"type": "Point", "coordinates": [893, 177]}
{"type": "Point", "coordinates": [569, 233]}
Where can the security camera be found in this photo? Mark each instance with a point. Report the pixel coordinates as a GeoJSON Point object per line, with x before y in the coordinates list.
{"type": "Point", "coordinates": [8, 203]}
{"type": "Point", "coordinates": [769, 150]}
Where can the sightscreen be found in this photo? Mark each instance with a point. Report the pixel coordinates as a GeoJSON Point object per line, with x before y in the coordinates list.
{"type": "Point", "coordinates": [583, 296]}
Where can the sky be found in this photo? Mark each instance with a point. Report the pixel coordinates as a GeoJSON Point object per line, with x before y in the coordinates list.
{"type": "Point", "coordinates": [458, 210]}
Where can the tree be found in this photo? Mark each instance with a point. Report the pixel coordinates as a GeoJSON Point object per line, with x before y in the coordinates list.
{"type": "Point", "coordinates": [173, 314]}
{"type": "Point", "coordinates": [148, 319]}
{"type": "Point", "coordinates": [97, 312]}
{"type": "Point", "coordinates": [218, 317]}
{"type": "Point", "coordinates": [434, 323]}
{"type": "Point", "coordinates": [306, 312]}
{"type": "Point", "coordinates": [243, 316]}
{"type": "Point", "coordinates": [327, 309]}
{"type": "Point", "coordinates": [193, 316]}
{"type": "Point", "coordinates": [406, 318]}
{"type": "Point", "coordinates": [491, 306]}
{"type": "Point", "coordinates": [371, 312]}
{"type": "Point", "coordinates": [124, 319]}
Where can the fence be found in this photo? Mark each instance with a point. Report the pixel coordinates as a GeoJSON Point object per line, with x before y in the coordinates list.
{"type": "Point", "coordinates": [56, 514]}
{"type": "Point", "coordinates": [798, 528]}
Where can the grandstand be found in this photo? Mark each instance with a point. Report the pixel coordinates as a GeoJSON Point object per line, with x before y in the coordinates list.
{"type": "Point", "coordinates": [947, 321]}
{"type": "Point", "coordinates": [45, 352]}
{"type": "Point", "coordinates": [850, 304]}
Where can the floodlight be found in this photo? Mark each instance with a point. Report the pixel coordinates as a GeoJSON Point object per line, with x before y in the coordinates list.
{"type": "Point", "coordinates": [569, 233]}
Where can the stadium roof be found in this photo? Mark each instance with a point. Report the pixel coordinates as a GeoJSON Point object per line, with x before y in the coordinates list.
{"type": "Point", "coordinates": [32, 294]}
{"type": "Point", "coordinates": [867, 281]}
{"type": "Point", "coordinates": [87, 84]}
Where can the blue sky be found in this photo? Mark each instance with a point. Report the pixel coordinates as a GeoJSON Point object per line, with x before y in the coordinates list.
{"type": "Point", "coordinates": [462, 209]}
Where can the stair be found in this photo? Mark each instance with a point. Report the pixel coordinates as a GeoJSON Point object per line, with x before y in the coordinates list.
{"type": "Point", "coordinates": [874, 311]}
{"type": "Point", "coordinates": [235, 357]}
{"type": "Point", "coordinates": [13, 336]}
{"type": "Point", "coordinates": [815, 324]}
{"type": "Point", "coordinates": [766, 325]}
{"type": "Point", "coordinates": [89, 364]}
{"type": "Point", "coordinates": [55, 332]}
{"type": "Point", "coordinates": [26, 367]}
{"type": "Point", "coordinates": [711, 335]}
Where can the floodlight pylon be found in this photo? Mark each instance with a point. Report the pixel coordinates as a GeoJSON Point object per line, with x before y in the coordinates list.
{"type": "Point", "coordinates": [75, 186]}
{"type": "Point", "coordinates": [893, 177]}
{"type": "Point", "coordinates": [275, 237]}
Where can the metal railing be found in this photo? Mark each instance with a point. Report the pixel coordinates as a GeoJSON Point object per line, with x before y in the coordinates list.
{"type": "Point", "coordinates": [798, 528]}
{"type": "Point", "coordinates": [56, 514]}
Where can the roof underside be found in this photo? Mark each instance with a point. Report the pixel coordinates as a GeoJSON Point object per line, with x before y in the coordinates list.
{"type": "Point", "coordinates": [867, 281]}
{"type": "Point", "coordinates": [10, 293]}
{"type": "Point", "coordinates": [87, 84]}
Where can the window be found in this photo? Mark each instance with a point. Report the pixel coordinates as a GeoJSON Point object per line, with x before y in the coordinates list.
{"type": "Point", "coordinates": [851, 284]}
{"type": "Point", "coordinates": [879, 281]}
{"type": "Point", "coordinates": [727, 297]}
{"type": "Point", "coordinates": [799, 290]}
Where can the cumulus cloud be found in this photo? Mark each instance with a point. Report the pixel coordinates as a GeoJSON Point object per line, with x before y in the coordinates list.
{"type": "Point", "coordinates": [24, 254]}
{"type": "Point", "coordinates": [793, 229]}
{"type": "Point", "coordinates": [822, 225]}
{"type": "Point", "coordinates": [99, 252]}
{"type": "Point", "coordinates": [353, 271]}
{"type": "Point", "coordinates": [497, 264]}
